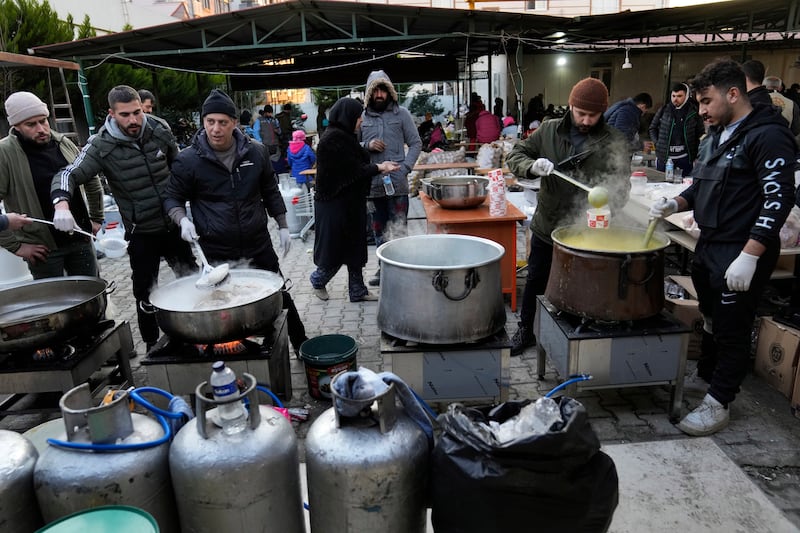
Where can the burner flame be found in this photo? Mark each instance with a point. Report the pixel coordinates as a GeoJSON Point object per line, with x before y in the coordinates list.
{"type": "Point", "coordinates": [223, 348]}
{"type": "Point", "coordinates": [44, 354]}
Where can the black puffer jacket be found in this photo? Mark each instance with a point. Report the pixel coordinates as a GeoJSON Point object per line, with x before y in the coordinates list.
{"type": "Point", "coordinates": [664, 130]}
{"type": "Point", "coordinates": [228, 208]}
{"type": "Point", "coordinates": [744, 188]}
{"type": "Point", "coordinates": [136, 170]}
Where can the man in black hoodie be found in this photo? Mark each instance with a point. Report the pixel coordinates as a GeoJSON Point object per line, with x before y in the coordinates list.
{"type": "Point", "coordinates": [742, 192]}
{"type": "Point", "coordinates": [754, 74]}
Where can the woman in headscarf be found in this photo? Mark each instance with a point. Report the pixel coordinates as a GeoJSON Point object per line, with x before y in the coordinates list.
{"type": "Point", "coordinates": [343, 179]}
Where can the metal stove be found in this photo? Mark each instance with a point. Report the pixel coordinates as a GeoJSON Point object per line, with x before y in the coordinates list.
{"type": "Point", "coordinates": [637, 353]}
{"type": "Point", "coordinates": [474, 371]}
{"type": "Point", "coordinates": [67, 364]}
{"type": "Point", "coordinates": [179, 367]}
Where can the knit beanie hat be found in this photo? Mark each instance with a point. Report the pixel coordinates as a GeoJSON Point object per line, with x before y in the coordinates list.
{"type": "Point", "coordinates": [508, 121]}
{"type": "Point", "coordinates": [589, 94]}
{"type": "Point", "coordinates": [219, 102]}
{"type": "Point", "coordinates": [299, 135]}
{"type": "Point", "coordinates": [24, 105]}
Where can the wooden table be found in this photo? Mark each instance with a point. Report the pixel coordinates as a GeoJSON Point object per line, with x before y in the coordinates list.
{"type": "Point", "coordinates": [478, 223]}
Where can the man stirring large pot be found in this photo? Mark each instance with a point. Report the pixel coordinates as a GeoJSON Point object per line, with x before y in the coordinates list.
{"type": "Point", "coordinates": [605, 160]}
{"type": "Point", "coordinates": [229, 181]}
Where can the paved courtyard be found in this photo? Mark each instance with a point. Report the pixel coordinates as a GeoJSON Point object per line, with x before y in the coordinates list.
{"type": "Point", "coordinates": [763, 437]}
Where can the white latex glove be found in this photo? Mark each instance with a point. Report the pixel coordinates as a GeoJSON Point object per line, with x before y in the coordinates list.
{"type": "Point", "coordinates": [188, 231]}
{"type": "Point", "coordinates": [740, 272]}
{"type": "Point", "coordinates": [542, 167]}
{"type": "Point", "coordinates": [663, 208]}
{"type": "Point", "coordinates": [64, 221]}
{"type": "Point", "coordinates": [286, 241]}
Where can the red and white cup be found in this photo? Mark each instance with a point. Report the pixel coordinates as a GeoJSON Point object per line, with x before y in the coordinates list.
{"type": "Point", "coordinates": [598, 217]}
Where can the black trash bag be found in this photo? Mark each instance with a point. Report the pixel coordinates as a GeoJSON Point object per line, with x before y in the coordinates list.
{"type": "Point", "coordinates": [559, 481]}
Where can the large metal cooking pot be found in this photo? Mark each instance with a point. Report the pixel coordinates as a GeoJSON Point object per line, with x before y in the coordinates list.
{"type": "Point", "coordinates": [457, 192]}
{"type": "Point", "coordinates": [40, 313]}
{"type": "Point", "coordinates": [607, 274]}
{"type": "Point", "coordinates": [441, 289]}
{"type": "Point", "coordinates": [241, 306]}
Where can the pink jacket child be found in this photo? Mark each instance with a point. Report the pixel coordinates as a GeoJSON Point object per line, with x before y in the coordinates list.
{"type": "Point", "coordinates": [301, 157]}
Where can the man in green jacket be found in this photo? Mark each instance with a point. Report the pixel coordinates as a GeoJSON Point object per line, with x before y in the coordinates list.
{"type": "Point", "coordinates": [29, 157]}
{"type": "Point", "coordinates": [594, 153]}
{"type": "Point", "coordinates": [134, 151]}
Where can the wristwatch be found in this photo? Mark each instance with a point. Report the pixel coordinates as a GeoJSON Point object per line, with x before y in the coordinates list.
{"type": "Point", "coordinates": [60, 199]}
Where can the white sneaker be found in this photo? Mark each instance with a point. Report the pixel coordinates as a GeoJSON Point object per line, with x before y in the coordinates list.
{"type": "Point", "coordinates": [694, 384]}
{"type": "Point", "coordinates": [708, 418]}
{"type": "Point", "coordinates": [322, 294]}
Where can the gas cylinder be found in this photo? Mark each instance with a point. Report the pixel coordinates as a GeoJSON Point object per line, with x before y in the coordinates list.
{"type": "Point", "coordinates": [247, 481]}
{"type": "Point", "coordinates": [19, 512]}
{"type": "Point", "coordinates": [112, 470]}
{"type": "Point", "coordinates": [367, 473]}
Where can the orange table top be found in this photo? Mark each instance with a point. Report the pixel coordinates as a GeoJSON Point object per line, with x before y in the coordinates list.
{"type": "Point", "coordinates": [439, 215]}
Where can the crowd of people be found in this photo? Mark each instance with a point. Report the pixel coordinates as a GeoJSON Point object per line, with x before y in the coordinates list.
{"type": "Point", "coordinates": [731, 127]}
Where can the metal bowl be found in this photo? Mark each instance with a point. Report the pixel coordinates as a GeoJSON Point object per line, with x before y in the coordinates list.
{"type": "Point", "coordinates": [457, 192]}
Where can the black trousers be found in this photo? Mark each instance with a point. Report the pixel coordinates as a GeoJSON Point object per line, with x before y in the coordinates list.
{"type": "Point", "coordinates": [726, 354]}
{"type": "Point", "coordinates": [145, 252]}
{"type": "Point", "coordinates": [536, 282]}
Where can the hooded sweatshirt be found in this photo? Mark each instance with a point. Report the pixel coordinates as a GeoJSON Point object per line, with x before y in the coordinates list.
{"type": "Point", "coordinates": [300, 156]}
{"type": "Point", "coordinates": [395, 127]}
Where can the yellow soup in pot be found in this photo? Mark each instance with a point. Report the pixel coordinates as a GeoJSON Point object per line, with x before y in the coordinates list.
{"type": "Point", "coordinates": [613, 239]}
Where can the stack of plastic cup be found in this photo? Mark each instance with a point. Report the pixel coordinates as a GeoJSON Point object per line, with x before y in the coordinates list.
{"type": "Point", "coordinates": [497, 193]}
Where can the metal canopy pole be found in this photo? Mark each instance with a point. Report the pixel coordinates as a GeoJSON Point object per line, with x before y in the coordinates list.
{"type": "Point", "coordinates": [83, 85]}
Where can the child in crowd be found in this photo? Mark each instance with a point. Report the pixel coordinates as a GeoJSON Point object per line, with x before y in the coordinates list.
{"type": "Point", "coordinates": [300, 156]}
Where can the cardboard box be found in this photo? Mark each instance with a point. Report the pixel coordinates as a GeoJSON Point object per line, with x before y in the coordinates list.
{"type": "Point", "coordinates": [776, 355]}
{"type": "Point", "coordinates": [686, 311]}
{"type": "Point", "coordinates": [795, 399]}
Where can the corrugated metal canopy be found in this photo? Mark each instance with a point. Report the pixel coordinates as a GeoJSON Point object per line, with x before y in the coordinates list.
{"type": "Point", "coordinates": [336, 43]}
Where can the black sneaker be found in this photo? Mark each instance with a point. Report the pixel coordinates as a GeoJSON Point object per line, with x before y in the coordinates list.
{"type": "Point", "coordinates": [523, 338]}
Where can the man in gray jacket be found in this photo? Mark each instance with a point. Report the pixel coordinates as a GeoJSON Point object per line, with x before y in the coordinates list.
{"type": "Point", "coordinates": [385, 131]}
{"type": "Point", "coordinates": [134, 151]}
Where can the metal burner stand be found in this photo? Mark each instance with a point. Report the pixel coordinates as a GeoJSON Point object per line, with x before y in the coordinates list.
{"type": "Point", "coordinates": [65, 375]}
{"type": "Point", "coordinates": [649, 352]}
{"type": "Point", "coordinates": [476, 371]}
{"type": "Point", "coordinates": [181, 375]}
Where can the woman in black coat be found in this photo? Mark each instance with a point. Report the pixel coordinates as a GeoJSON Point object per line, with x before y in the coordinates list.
{"type": "Point", "coordinates": [340, 202]}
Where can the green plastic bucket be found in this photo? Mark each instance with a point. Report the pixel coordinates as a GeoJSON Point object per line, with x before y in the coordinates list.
{"type": "Point", "coordinates": [324, 357]}
{"type": "Point", "coordinates": [108, 519]}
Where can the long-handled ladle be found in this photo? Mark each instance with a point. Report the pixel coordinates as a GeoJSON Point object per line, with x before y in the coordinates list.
{"type": "Point", "coordinates": [75, 230]}
{"type": "Point", "coordinates": [210, 276]}
{"type": "Point", "coordinates": [598, 196]}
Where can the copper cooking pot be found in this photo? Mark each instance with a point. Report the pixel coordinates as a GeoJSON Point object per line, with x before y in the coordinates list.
{"type": "Point", "coordinates": [607, 274]}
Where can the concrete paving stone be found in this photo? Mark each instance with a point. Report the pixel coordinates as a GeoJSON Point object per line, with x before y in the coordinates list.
{"type": "Point", "coordinates": [625, 417]}
{"type": "Point", "coordinates": [661, 426]}
{"type": "Point", "coordinates": [607, 430]}
{"type": "Point", "coordinates": [642, 401]}
{"type": "Point", "coordinates": [594, 407]}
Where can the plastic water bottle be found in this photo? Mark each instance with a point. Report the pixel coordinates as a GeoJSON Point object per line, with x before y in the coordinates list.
{"type": "Point", "coordinates": [388, 186]}
{"type": "Point", "coordinates": [232, 416]}
{"type": "Point", "coordinates": [669, 171]}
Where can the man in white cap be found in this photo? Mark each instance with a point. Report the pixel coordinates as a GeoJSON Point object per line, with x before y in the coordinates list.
{"type": "Point", "coordinates": [134, 152]}
{"type": "Point", "coordinates": [29, 157]}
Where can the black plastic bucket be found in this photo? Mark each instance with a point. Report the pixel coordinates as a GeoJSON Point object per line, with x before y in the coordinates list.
{"type": "Point", "coordinates": [324, 357]}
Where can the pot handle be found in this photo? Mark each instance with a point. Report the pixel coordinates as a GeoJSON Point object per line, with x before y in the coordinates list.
{"type": "Point", "coordinates": [287, 285]}
{"type": "Point", "coordinates": [440, 282]}
{"type": "Point", "coordinates": [111, 287]}
{"type": "Point", "coordinates": [622, 291]}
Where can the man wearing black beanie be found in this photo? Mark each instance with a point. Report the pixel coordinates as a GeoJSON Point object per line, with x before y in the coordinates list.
{"type": "Point", "coordinates": [229, 181]}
